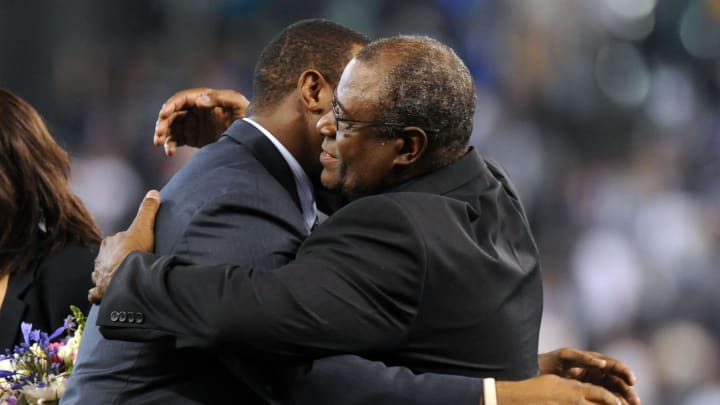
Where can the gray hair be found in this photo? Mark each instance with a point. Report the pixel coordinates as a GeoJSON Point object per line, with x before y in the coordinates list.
{"type": "Point", "coordinates": [427, 86]}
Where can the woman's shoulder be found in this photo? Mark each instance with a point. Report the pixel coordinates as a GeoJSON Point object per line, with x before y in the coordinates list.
{"type": "Point", "coordinates": [62, 279]}
{"type": "Point", "coordinates": [72, 258]}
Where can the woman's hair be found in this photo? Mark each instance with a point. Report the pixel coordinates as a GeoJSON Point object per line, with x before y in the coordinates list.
{"type": "Point", "coordinates": [38, 212]}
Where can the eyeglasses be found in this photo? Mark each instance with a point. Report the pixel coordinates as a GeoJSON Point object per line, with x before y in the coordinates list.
{"type": "Point", "coordinates": [336, 114]}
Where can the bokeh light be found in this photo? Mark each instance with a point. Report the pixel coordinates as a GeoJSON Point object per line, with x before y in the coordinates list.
{"type": "Point", "coordinates": [622, 74]}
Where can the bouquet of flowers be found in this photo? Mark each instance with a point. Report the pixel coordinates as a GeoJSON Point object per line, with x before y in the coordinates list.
{"type": "Point", "coordinates": [36, 370]}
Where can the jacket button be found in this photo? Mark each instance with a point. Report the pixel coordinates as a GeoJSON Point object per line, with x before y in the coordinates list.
{"type": "Point", "coordinates": [114, 316]}
{"type": "Point", "coordinates": [139, 318]}
{"type": "Point", "coordinates": [122, 316]}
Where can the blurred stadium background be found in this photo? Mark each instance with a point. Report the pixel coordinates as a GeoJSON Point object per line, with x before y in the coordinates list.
{"type": "Point", "coordinates": [606, 113]}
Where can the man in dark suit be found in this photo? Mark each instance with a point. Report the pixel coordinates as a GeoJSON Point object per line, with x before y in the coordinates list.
{"type": "Point", "coordinates": [246, 199]}
{"type": "Point", "coordinates": [431, 266]}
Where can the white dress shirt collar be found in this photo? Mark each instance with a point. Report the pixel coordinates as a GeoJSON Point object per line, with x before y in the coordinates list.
{"type": "Point", "coordinates": [302, 181]}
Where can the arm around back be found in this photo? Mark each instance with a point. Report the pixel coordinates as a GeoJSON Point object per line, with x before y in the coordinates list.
{"type": "Point", "coordinates": [355, 286]}
{"type": "Point", "coordinates": [353, 380]}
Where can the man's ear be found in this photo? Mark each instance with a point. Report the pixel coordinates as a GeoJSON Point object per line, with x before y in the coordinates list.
{"type": "Point", "coordinates": [313, 90]}
{"type": "Point", "coordinates": [412, 143]}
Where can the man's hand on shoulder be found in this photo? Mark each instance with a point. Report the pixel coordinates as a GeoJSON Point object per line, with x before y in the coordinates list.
{"type": "Point", "coordinates": [197, 117]}
{"type": "Point", "coordinates": [113, 250]}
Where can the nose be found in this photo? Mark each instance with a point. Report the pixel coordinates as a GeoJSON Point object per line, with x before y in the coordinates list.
{"type": "Point", "coordinates": [326, 125]}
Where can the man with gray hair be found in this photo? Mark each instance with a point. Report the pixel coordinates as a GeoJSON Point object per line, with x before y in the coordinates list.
{"type": "Point", "coordinates": [431, 265]}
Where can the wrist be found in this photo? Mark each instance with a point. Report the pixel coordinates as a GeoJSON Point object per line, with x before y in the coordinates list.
{"type": "Point", "coordinates": [489, 392]}
{"type": "Point", "coordinates": [545, 364]}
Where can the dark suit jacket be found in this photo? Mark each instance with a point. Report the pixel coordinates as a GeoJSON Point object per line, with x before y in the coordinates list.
{"type": "Point", "coordinates": [43, 293]}
{"type": "Point", "coordinates": [440, 277]}
{"type": "Point", "coordinates": [235, 201]}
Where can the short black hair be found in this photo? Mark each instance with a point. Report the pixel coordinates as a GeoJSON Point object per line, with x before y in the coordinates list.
{"type": "Point", "coordinates": [317, 44]}
{"type": "Point", "coordinates": [427, 86]}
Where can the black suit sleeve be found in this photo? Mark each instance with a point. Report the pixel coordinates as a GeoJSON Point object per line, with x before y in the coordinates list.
{"type": "Point", "coordinates": [352, 380]}
{"type": "Point", "coordinates": [354, 287]}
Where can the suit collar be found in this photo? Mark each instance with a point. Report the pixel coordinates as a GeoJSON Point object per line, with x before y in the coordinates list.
{"type": "Point", "coordinates": [451, 177]}
{"type": "Point", "coordinates": [266, 153]}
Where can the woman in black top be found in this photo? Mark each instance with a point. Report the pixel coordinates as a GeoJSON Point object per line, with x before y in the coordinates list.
{"type": "Point", "coordinates": [48, 240]}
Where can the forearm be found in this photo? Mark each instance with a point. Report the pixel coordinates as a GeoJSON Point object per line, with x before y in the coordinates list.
{"type": "Point", "coordinates": [277, 312]}
{"type": "Point", "coordinates": [352, 380]}
{"type": "Point", "coordinates": [176, 298]}
{"type": "Point", "coordinates": [138, 287]}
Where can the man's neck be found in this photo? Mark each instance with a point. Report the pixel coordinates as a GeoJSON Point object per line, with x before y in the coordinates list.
{"type": "Point", "coordinates": [289, 128]}
{"type": "Point", "coordinates": [286, 124]}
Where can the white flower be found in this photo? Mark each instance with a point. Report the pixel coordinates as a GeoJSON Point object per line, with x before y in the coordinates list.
{"type": "Point", "coordinates": [6, 365]}
{"type": "Point", "coordinates": [52, 392]}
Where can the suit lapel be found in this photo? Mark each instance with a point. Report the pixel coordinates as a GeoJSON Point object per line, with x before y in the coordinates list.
{"type": "Point", "coordinates": [267, 154]}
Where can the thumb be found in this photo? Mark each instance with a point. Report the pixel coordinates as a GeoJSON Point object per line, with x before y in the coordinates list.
{"type": "Point", "coordinates": [145, 217]}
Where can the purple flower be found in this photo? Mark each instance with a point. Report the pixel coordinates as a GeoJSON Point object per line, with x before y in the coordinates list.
{"type": "Point", "coordinates": [36, 361]}
{"type": "Point", "coordinates": [57, 333]}
{"type": "Point", "coordinates": [69, 323]}
{"type": "Point", "coordinates": [26, 328]}
{"type": "Point", "coordinates": [35, 335]}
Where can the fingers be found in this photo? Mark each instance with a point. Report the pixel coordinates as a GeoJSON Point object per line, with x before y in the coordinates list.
{"type": "Point", "coordinates": [100, 275]}
{"type": "Point", "coordinates": [582, 358]}
{"type": "Point", "coordinates": [203, 98]}
{"type": "Point", "coordinates": [182, 100]}
{"type": "Point", "coordinates": [620, 369]}
{"type": "Point", "coordinates": [169, 147]}
{"type": "Point", "coordinates": [230, 100]}
{"type": "Point", "coordinates": [173, 108]}
{"type": "Point", "coordinates": [170, 110]}
{"type": "Point", "coordinates": [145, 218]}
{"type": "Point", "coordinates": [94, 295]}
{"type": "Point", "coordinates": [101, 281]}
{"type": "Point", "coordinates": [620, 387]}
{"type": "Point", "coordinates": [598, 395]}
{"type": "Point", "coordinates": [197, 117]}
{"type": "Point", "coordinates": [114, 249]}
{"type": "Point", "coordinates": [602, 370]}
{"type": "Point", "coordinates": [609, 365]}
{"type": "Point", "coordinates": [170, 131]}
